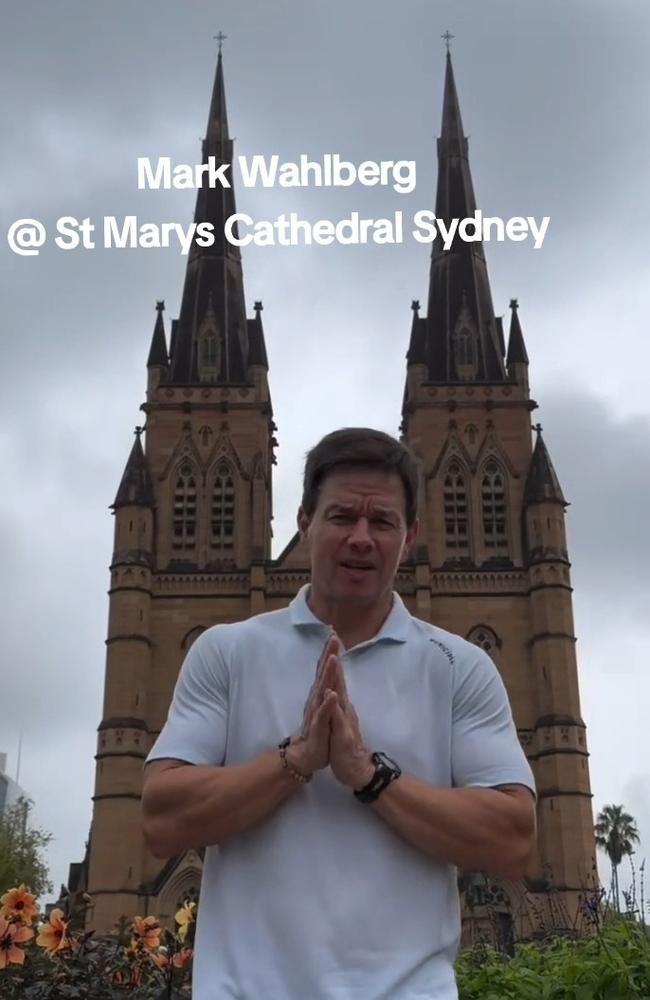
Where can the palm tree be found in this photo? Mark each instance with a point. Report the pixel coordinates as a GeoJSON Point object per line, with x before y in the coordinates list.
{"type": "Point", "coordinates": [616, 832]}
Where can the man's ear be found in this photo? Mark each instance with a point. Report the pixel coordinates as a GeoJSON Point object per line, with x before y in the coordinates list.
{"type": "Point", "coordinates": [412, 535]}
{"type": "Point", "coordinates": [303, 522]}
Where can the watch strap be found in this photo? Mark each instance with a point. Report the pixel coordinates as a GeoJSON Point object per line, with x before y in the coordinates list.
{"type": "Point", "coordinates": [386, 771]}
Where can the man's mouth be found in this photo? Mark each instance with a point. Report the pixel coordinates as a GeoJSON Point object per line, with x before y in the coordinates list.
{"type": "Point", "coordinates": [348, 564]}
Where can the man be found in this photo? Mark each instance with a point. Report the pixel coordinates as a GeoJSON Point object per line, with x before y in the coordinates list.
{"type": "Point", "coordinates": [330, 866]}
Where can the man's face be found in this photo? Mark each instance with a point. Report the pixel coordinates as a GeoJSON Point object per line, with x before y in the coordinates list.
{"type": "Point", "coordinates": [357, 535]}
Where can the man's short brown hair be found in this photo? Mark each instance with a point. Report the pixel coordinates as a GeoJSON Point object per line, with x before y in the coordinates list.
{"type": "Point", "coordinates": [360, 447]}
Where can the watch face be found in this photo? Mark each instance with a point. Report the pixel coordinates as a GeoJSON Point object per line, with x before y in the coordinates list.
{"type": "Point", "coordinates": [382, 758]}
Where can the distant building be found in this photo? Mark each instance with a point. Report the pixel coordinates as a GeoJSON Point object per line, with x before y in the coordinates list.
{"type": "Point", "coordinates": [10, 791]}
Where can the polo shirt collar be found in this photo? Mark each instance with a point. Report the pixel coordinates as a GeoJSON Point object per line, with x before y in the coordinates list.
{"type": "Point", "coordinates": [395, 628]}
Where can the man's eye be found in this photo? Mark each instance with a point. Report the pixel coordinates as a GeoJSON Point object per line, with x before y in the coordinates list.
{"type": "Point", "coordinates": [341, 518]}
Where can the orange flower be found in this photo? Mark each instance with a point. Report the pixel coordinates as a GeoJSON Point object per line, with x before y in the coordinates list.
{"type": "Point", "coordinates": [11, 935]}
{"type": "Point", "coordinates": [121, 977]}
{"type": "Point", "coordinates": [54, 935]}
{"type": "Point", "coordinates": [184, 918]}
{"type": "Point", "coordinates": [147, 930]}
{"type": "Point", "coordinates": [20, 904]}
{"type": "Point", "coordinates": [136, 976]}
{"type": "Point", "coordinates": [182, 957]}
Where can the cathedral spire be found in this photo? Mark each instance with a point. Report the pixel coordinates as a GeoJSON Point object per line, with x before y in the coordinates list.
{"type": "Point", "coordinates": [542, 484]}
{"type": "Point", "coordinates": [210, 343]}
{"type": "Point", "coordinates": [135, 487]}
{"type": "Point", "coordinates": [417, 344]}
{"type": "Point", "coordinates": [217, 129]}
{"type": "Point", "coordinates": [517, 359]}
{"type": "Point", "coordinates": [256, 344]}
{"type": "Point", "coordinates": [452, 140]}
{"type": "Point", "coordinates": [462, 335]}
{"type": "Point", "coordinates": [158, 351]}
{"type": "Point", "coordinates": [517, 354]}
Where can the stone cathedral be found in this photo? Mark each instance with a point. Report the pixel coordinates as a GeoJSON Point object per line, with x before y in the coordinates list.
{"type": "Point", "coordinates": [193, 544]}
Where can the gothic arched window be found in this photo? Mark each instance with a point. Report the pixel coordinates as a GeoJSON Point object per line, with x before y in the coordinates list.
{"type": "Point", "coordinates": [184, 513]}
{"type": "Point", "coordinates": [486, 639]}
{"type": "Point", "coordinates": [465, 343]}
{"type": "Point", "coordinates": [209, 350]}
{"type": "Point", "coordinates": [189, 894]}
{"type": "Point", "coordinates": [493, 502]}
{"type": "Point", "coordinates": [465, 347]}
{"type": "Point", "coordinates": [190, 637]}
{"type": "Point", "coordinates": [455, 504]}
{"type": "Point", "coordinates": [209, 354]}
{"type": "Point", "coordinates": [222, 523]}
{"type": "Point", "coordinates": [471, 433]}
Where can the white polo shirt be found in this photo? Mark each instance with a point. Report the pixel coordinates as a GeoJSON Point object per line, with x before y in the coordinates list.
{"type": "Point", "coordinates": [323, 900]}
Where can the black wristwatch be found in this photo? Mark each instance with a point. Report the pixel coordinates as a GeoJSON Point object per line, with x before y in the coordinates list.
{"type": "Point", "coordinates": [386, 770]}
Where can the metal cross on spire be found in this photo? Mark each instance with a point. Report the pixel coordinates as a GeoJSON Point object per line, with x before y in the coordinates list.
{"type": "Point", "coordinates": [220, 39]}
{"type": "Point", "coordinates": [447, 37]}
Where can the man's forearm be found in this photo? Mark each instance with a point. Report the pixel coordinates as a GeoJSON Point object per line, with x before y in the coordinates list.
{"type": "Point", "coordinates": [191, 805]}
{"type": "Point", "coordinates": [477, 829]}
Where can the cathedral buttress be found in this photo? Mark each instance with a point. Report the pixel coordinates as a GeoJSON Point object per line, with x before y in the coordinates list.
{"type": "Point", "coordinates": [192, 535]}
{"type": "Point", "coordinates": [113, 867]}
{"type": "Point", "coordinates": [560, 732]}
{"type": "Point", "coordinates": [492, 524]}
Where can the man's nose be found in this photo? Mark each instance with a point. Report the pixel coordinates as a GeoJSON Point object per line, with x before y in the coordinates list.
{"type": "Point", "coordinates": [360, 535]}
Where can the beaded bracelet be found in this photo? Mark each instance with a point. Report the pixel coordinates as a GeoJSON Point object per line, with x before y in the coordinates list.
{"type": "Point", "coordinates": [282, 747]}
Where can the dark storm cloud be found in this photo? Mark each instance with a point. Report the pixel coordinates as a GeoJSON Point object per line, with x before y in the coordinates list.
{"type": "Point", "coordinates": [552, 99]}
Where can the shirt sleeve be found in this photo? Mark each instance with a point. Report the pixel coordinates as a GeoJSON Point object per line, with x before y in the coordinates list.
{"type": "Point", "coordinates": [485, 747]}
{"type": "Point", "coordinates": [197, 723]}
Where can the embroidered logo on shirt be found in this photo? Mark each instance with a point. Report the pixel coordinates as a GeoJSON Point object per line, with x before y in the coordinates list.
{"type": "Point", "coordinates": [446, 650]}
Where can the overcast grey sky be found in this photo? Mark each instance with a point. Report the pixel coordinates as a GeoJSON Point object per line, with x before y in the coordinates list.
{"type": "Point", "coordinates": [554, 101]}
